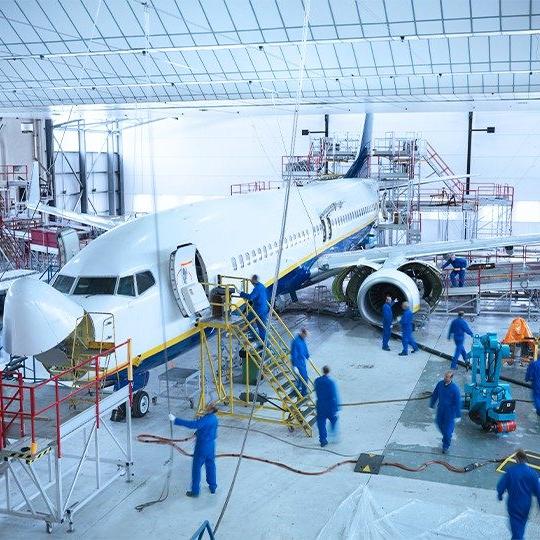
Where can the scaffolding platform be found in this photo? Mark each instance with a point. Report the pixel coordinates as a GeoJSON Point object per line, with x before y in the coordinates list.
{"type": "Point", "coordinates": [51, 436]}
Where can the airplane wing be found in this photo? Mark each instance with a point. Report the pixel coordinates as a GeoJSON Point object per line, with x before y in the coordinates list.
{"type": "Point", "coordinates": [100, 222]}
{"type": "Point", "coordinates": [395, 254]}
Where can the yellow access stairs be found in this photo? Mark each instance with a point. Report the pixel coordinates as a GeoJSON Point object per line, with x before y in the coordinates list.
{"type": "Point", "coordinates": [232, 333]}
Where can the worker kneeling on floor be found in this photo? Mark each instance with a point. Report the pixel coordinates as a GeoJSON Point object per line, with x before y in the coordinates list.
{"type": "Point", "coordinates": [521, 482]}
{"type": "Point", "coordinates": [448, 397]}
{"type": "Point", "coordinates": [205, 448]}
{"type": "Point", "coordinates": [327, 404]}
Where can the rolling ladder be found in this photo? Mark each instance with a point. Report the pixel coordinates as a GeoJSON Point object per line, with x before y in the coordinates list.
{"type": "Point", "coordinates": [235, 337]}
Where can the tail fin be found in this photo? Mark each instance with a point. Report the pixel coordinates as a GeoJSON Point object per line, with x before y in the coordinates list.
{"type": "Point", "coordinates": [359, 169]}
{"type": "Point", "coordinates": [34, 194]}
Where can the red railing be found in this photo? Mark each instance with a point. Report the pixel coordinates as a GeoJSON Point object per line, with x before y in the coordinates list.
{"type": "Point", "coordinates": [13, 172]}
{"type": "Point", "coordinates": [251, 187]}
{"type": "Point", "coordinates": [18, 400]}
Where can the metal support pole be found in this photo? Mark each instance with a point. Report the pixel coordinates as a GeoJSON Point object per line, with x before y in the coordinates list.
{"type": "Point", "coordinates": [120, 165]}
{"type": "Point", "coordinates": [469, 144]}
{"type": "Point", "coordinates": [82, 167]}
{"type": "Point", "coordinates": [326, 135]}
{"type": "Point", "coordinates": [111, 184]}
{"type": "Point", "coordinates": [49, 156]}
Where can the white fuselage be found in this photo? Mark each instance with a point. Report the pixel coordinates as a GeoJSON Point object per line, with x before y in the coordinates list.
{"type": "Point", "coordinates": [234, 236]}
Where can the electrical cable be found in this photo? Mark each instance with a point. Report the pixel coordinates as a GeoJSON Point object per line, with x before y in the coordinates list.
{"type": "Point", "coordinates": [166, 486]}
{"type": "Point", "coordinates": [305, 26]}
{"type": "Point", "coordinates": [173, 443]}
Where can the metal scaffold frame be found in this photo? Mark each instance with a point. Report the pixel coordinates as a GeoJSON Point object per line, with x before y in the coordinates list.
{"type": "Point", "coordinates": [51, 478]}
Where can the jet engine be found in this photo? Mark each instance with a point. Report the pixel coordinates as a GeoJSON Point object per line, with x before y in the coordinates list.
{"type": "Point", "coordinates": [368, 285]}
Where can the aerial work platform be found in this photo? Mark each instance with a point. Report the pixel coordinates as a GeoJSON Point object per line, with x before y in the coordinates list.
{"type": "Point", "coordinates": [51, 432]}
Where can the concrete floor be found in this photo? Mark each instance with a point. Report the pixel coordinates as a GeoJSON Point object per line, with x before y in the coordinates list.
{"type": "Point", "coordinates": [272, 503]}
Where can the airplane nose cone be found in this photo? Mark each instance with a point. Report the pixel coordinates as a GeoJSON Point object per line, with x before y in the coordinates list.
{"type": "Point", "coordinates": [37, 317]}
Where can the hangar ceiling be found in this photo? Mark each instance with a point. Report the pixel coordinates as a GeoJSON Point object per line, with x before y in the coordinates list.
{"type": "Point", "coordinates": [74, 52]}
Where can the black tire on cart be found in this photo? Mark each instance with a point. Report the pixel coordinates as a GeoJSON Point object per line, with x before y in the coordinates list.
{"type": "Point", "coordinates": [141, 404]}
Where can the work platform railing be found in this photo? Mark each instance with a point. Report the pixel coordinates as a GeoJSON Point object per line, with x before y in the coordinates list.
{"type": "Point", "coordinates": [53, 435]}
{"type": "Point", "coordinates": [496, 283]}
{"type": "Point", "coordinates": [23, 405]}
{"type": "Point", "coordinates": [237, 339]}
{"type": "Point", "coordinates": [258, 185]}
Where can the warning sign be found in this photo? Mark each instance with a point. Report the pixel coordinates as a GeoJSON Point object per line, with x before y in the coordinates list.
{"type": "Point", "coordinates": [533, 460]}
{"type": "Point", "coordinates": [369, 463]}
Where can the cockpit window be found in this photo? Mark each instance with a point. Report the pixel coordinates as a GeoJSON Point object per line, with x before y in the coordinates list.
{"type": "Point", "coordinates": [95, 285]}
{"type": "Point", "coordinates": [144, 281]}
{"type": "Point", "coordinates": [64, 283]}
{"type": "Point", "coordinates": [126, 286]}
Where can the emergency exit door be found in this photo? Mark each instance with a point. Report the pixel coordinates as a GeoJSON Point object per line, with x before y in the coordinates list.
{"type": "Point", "coordinates": [188, 292]}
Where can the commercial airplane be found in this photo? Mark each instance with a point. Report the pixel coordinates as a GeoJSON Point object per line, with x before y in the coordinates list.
{"type": "Point", "coordinates": [147, 271]}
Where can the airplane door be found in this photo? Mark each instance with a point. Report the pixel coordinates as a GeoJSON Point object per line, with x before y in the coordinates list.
{"type": "Point", "coordinates": [68, 244]}
{"type": "Point", "coordinates": [189, 293]}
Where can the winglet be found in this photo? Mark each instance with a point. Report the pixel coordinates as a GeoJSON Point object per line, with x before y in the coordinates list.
{"type": "Point", "coordinates": [34, 194]}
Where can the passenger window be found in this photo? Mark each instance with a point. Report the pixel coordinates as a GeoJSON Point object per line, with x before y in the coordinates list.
{"type": "Point", "coordinates": [126, 286]}
{"type": "Point", "coordinates": [241, 260]}
{"type": "Point", "coordinates": [270, 249]}
{"type": "Point", "coordinates": [276, 246]}
{"type": "Point", "coordinates": [234, 265]}
{"type": "Point", "coordinates": [265, 252]}
{"type": "Point", "coordinates": [259, 252]}
{"type": "Point", "coordinates": [145, 280]}
{"type": "Point", "coordinates": [247, 257]}
{"type": "Point", "coordinates": [253, 255]}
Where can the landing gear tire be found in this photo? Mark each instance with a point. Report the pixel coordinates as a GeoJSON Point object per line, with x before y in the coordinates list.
{"type": "Point", "coordinates": [48, 527]}
{"type": "Point", "coordinates": [141, 404]}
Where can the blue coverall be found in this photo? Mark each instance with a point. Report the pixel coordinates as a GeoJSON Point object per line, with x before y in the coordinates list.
{"type": "Point", "coordinates": [387, 319]}
{"type": "Point", "coordinates": [448, 409]}
{"type": "Point", "coordinates": [407, 320]}
{"type": "Point", "coordinates": [205, 450]}
{"type": "Point", "coordinates": [327, 405]}
{"type": "Point", "coordinates": [259, 299]}
{"type": "Point", "coordinates": [521, 482]}
{"type": "Point", "coordinates": [458, 328]}
{"type": "Point", "coordinates": [299, 356]}
{"type": "Point", "coordinates": [533, 376]}
{"type": "Point", "coordinates": [458, 264]}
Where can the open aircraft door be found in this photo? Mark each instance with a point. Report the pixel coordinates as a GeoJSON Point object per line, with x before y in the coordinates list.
{"type": "Point", "coordinates": [68, 244]}
{"type": "Point", "coordinates": [189, 293]}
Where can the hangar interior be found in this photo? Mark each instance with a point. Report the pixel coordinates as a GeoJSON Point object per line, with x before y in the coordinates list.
{"type": "Point", "coordinates": [156, 156]}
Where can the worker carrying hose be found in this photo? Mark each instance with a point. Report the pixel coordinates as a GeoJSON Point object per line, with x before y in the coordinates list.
{"type": "Point", "coordinates": [299, 358]}
{"type": "Point", "coordinates": [533, 376]}
{"type": "Point", "coordinates": [407, 329]}
{"type": "Point", "coordinates": [205, 448]}
{"type": "Point", "coordinates": [458, 329]}
{"type": "Point", "coordinates": [521, 482]}
{"type": "Point", "coordinates": [457, 275]}
{"type": "Point", "coordinates": [327, 404]}
{"type": "Point", "coordinates": [259, 300]}
{"type": "Point", "coordinates": [387, 320]}
{"type": "Point", "coordinates": [447, 395]}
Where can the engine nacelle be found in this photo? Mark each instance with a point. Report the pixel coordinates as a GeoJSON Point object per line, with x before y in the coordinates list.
{"type": "Point", "coordinates": [427, 277]}
{"type": "Point", "coordinates": [382, 283]}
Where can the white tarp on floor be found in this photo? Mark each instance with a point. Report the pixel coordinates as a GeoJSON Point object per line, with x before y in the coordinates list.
{"type": "Point", "coordinates": [361, 517]}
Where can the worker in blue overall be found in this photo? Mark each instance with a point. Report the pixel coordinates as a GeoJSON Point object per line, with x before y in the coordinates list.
{"type": "Point", "coordinates": [205, 448]}
{"type": "Point", "coordinates": [458, 329]}
{"type": "Point", "coordinates": [327, 404]}
{"type": "Point", "coordinates": [259, 300]}
{"type": "Point", "coordinates": [533, 376]}
{"type": "Point", "coordinates": [457, 275]}
{"type": "Point", "coordinates": [448, 399]}
{"type": "Point", "coordinates": [521, 482]}
{"type": "Point", "coordinates": [407, 328]}
{"type": "Point", "coordinates": [387, 320]}
{"type": "Point", "coordinates": [299, 358]}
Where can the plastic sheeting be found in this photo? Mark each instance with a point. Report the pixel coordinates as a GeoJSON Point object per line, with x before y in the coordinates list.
{"type": "Point", "coordinates": [359, 517]}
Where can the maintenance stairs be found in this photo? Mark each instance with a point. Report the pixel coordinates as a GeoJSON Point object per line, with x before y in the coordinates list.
{"type": "Point", "coordinates": [231, 338]}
